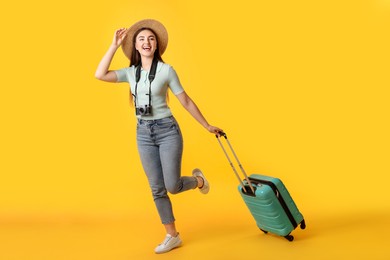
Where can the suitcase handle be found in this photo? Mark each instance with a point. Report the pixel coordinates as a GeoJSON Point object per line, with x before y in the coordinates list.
{"type": "Point", "coordinates": [221, 133]}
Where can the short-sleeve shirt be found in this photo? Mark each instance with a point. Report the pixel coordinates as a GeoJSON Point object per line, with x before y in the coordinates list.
{"type": "Point", "coordinates": [165, 78]}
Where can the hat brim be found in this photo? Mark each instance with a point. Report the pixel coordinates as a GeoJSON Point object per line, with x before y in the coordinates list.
{"type": "Point", "coordinates": [157, 27]}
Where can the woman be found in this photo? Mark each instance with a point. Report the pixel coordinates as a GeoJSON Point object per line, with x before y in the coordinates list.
{"type": "Point", "coordinates": [159, 139]}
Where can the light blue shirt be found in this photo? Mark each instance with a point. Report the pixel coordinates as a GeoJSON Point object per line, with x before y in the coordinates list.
{"type": "Point", "coordinates": [165, 78]}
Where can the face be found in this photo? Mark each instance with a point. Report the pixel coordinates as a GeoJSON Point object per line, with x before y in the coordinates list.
{"type": "Point", "coordinates": [146, 43]}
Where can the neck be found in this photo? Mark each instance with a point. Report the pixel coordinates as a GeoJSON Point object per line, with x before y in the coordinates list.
{"type": "Point", "coordinates": [147, 63]}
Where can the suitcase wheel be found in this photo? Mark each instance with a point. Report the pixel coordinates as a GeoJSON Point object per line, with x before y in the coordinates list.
{"type": "Point", "coordinates": [265, 232]}
{"type": "Point", "coordinates": [303, 224]}
{"type": "Point", "coordinates": [289, 238]}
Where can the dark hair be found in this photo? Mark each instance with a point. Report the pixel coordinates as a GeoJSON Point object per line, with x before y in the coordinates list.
{"type": "Point", "coordinates": [135, 58]}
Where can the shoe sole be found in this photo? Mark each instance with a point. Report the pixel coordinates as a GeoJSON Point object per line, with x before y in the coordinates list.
{"type": "Point", "coordinates": [206, 186]}
{"type": "Point", "coordinates": [171, 248]}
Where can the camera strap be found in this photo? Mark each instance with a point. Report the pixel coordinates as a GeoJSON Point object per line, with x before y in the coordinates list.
{"type": "Point", "coordinates": [152, 75]}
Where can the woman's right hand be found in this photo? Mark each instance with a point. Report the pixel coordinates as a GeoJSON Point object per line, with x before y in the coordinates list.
{"type": "Point", "coordinates": [119, 36]}
{"type": "Point", "coordinates": [102, 71]}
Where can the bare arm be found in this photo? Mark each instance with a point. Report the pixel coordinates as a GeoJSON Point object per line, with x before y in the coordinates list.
{"type": "Point", "coordinates": [102, 71]}
{"type": "Point", "coordinates": [192, 108]}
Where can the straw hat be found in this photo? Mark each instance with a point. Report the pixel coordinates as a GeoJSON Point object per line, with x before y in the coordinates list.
{"type": "Point", "coordinates": [156, 26]}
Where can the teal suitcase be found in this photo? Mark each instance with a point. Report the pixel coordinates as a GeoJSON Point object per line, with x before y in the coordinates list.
{"type": "Point", "coordinates": [268, 200]}
{"type": "Point", "coordinates": [271, 205]}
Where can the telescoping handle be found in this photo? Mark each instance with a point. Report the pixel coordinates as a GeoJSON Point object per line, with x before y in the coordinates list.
{"type": "Point", "coordinates": [231, 164]}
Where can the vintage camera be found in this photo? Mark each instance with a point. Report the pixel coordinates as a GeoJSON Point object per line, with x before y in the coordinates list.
{"type": "Point", "coordinates": [143, 111]}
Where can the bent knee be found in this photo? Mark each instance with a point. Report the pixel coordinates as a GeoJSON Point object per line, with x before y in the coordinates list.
{"type": "Point", "coordinates": [175, 188]}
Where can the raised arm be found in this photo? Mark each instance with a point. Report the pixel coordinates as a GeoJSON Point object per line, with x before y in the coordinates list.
{"type": "Point", "coordinates": [102, 71]}
{"type": "Point", "coordinates": [192, 108]}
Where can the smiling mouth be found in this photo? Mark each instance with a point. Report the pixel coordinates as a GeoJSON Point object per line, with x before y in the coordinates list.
{"type": "Point", "coordinates": [146, 48]}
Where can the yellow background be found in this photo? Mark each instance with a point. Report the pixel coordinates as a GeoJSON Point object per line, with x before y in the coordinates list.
{"type": "Point", "coordinates": [300, 87]}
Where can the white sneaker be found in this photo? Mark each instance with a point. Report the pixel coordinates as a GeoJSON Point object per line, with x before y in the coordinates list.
{"type": "Point", "coordinates": [168, 244]}
{"type": "Point", "coordinates": [206, 186]}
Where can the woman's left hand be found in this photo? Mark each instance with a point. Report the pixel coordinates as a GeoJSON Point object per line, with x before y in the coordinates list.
{"type": "Point", "coordinates": [214, 129]}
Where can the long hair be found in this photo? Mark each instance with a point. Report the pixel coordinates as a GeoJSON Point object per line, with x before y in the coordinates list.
{"type": "Point", "coordinates": [135, 58]}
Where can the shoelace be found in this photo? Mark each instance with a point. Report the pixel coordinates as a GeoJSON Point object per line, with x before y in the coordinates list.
{"type": "Point", "coordinates": [166, 240]}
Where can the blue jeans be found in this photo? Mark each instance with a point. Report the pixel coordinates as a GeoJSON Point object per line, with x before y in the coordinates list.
{"type": "Point", "coordinates": [160, 146]}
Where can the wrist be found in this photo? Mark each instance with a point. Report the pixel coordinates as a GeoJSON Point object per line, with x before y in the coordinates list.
{"type": "Point", "coordinates": [114, 46]}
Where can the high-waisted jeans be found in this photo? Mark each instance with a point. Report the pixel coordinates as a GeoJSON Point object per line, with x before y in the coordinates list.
{"type": "Point", "coordinates": [160, 145]}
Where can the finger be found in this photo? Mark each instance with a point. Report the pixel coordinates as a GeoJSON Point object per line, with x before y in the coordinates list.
{"type": "Point", "coordinates": [122, 34]}
{"type": "Point", "coordinates": [120, 31]}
